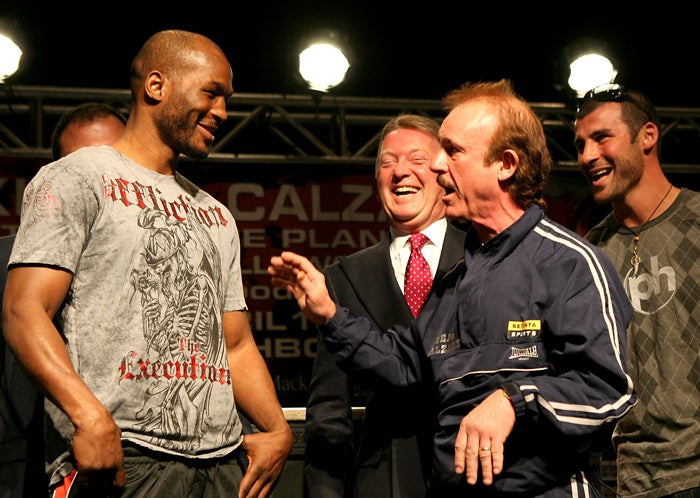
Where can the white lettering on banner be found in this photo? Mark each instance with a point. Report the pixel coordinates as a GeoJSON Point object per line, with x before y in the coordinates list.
{"type": "Point", "coordinates": [288, 347]}
{"type": "Point", "coordinates": [253, 189]}
{"type": "Point", "coordinates": [317, 214]}
{"type": "Point", "coordinates": [265, 292]}
{"type": "Point", "coordinates": [288, 203]}
{"type": "Point", "coordinates": [342, 238]}
{"type": "Point", "coordinates": [257, 264]}
{"type": "Point", "coordinates": [247, 202]}
{"type": "Point", "coordinates": [252, 238]}
{"type": "Point", "coordinates": [265, 320]}
{"type": "Point", "coordinates": [364, 193]}
{"type": "Point", "coordinates": [302, 319]}
{"type": "Point", "coordinates": [323, 221]}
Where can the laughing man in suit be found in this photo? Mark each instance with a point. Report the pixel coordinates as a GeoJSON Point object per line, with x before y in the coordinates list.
{"type": "Point", "coordinates": [394, 450]}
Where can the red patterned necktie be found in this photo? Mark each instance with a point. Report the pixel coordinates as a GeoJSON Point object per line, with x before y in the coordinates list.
{"type": "Point", "coordinates": [418, 278]}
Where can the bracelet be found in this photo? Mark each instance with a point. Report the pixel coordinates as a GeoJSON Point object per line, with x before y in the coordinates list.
{"type": "Point", "coordinates": [512, 393]}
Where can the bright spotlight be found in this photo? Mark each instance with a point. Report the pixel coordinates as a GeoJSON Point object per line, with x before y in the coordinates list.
{"type": "Point", "coordinates": [323, 65]}
{"type": "Point", "coordinates": [590, 71]}
{"type": "Point", "coordinates": [10, 55]}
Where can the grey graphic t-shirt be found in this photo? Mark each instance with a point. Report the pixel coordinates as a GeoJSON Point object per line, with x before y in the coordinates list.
{"type": "Point", "coordinates": [156, 261]}
{"type": "Point", "coordinates": [657, 441]}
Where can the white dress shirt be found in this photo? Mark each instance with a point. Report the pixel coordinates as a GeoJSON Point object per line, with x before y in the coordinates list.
{"type": "Point", "coordinates": [400, 249]}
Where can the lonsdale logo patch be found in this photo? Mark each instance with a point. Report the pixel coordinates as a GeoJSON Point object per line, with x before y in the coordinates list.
{"type": "Point", "coordinates": [524, 328]}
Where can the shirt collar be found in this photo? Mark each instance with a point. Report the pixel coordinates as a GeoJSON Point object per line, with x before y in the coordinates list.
{"type": "Point", "coordinates": [435, 232]}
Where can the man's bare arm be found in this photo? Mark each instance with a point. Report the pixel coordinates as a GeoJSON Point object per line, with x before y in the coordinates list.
{"type": "Point", "coordinates": [32, 296]}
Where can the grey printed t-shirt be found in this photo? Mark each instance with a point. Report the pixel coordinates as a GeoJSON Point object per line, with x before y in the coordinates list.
{"type": "Point", "coordinates": [156, 261]}
{"type": "Point", "coordinates": [657, 442]}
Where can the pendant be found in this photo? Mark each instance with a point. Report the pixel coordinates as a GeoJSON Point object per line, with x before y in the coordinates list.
{"type": "Point", "coordinates": [635, 263]}
{"type": "Point", "coordinates": [635, 255]}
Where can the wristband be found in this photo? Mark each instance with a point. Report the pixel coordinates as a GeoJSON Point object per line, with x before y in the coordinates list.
{"type": "Point", "coordinates": [515, 396]}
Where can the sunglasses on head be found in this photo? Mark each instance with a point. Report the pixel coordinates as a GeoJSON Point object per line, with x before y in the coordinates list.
{"type": "Point", "coordinates": [611, 92]}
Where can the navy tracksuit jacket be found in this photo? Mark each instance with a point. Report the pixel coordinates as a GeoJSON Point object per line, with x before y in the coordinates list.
{"type": "Point", "coordinates": [537, 306]}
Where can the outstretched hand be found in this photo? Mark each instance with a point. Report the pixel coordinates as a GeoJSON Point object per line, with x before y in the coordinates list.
{"type": "Point", "coordinates": [298, 275]}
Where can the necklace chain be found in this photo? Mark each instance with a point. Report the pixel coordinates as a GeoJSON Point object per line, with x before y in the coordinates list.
{"type": "Point", "coordinates": [635, 250]}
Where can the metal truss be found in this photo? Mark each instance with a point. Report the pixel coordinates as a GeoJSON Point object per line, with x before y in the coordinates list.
{"type": "Point", "coordinates": [311, 128]}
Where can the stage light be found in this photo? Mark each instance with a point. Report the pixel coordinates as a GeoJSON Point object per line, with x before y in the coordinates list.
{"type": "Point", "coordinates": [323, 63]}
{"type": "Point", "coordinates": [10, 52]}
{"type": "Point", "coordinates": [586, 63]}
{"type": "Point", "coordinates": [589, 71]}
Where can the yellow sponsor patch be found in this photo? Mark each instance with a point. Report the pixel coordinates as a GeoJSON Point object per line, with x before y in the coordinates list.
{"type": "Point", "coordinates": [523, 328]}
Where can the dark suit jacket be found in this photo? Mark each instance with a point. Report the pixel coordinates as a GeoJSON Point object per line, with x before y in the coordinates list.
{"type": "Point", "coordinates": [21, 416]}
{"type": "Point", "coordinates": [395, 446]}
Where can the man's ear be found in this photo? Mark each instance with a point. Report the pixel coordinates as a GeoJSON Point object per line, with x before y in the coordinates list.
{"type": "Point", "coordinates": [649, 136]}
{"type": "Point", "coordinates": [154, 86]}
{"type": "Point", "coordinates": [508, 164]}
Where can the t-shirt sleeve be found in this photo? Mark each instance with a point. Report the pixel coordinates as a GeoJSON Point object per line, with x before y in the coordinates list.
{"type": "Point", "coordinates": [58, 208]}
{"type": "Point", "coordinates": [234, 299]}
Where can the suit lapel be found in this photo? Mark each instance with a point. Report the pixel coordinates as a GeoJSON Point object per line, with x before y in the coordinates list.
{"type": "Point", "coordinates": [374, 272]}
